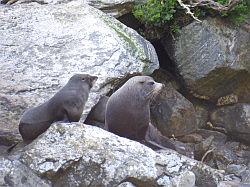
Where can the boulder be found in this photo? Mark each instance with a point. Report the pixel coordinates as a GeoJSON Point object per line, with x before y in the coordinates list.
{"type": "Point", "coordinates": [235, 119]}
{"type": "Point", "coordinates": [14, 173]}
{"type": "Point", "coordinates": [213, 58]}
{"type": "Point", "coordinates": [114, 8]}
{"type": "Point", "coordinates": [42, 46]}
{"type": "Point", "coordinates": [74, 154]}
{"type": "Point", "coordinates": [172, 113]}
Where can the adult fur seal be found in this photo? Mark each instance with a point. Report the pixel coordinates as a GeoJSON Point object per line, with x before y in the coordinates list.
{"type": "Point", "coordinates": [128, 109]}
{"type": "Point", "coordinates": [65, 105]}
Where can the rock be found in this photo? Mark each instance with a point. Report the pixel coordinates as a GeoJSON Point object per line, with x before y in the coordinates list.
{"type": "Point", "coordinates": [213, 58]}
{"type": "Point", "coordinates": [186, 179]}
{"type": "Point", "coordinates": [14, 173]}
{"type": "Point", "coordinates": [191, 138]}
{"type": "Point", "coordinates": [79, 155]}
{"type": "Point", "coordinates": [232, 184]}
{"type": "Point", "coordinates": [235, 119]}
{"type": "Point", "coordinates": [219, 138]}
{"type": "Point", "coordinates": [201, 116]}
{"type": "Point", "coordinates": [203, 147]}
{"type": "Point", "coordinates": [42, 46]}
{"type": "Point", "coordinates": [236, 169]}
{"type": "Point", "coordinates": [172, 114]}
{"type": "Point", "coordinates": [114, 8]}
{"type": "Point", "coordinates": [126, 184]}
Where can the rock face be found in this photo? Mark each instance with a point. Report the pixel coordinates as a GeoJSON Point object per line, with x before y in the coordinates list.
{"type": "Point", "coordinates": [173, 114]}
{"type": "Point", "coordinates": [114, 8]}
{"type": "Point", "coordinates": [235, 119]}
{"type": "Point", "coordinates": [213, 58]}
{"type": "Point", "coordinates": [80, 155]}
{"type": "Point", "coordinates": [14, 173]}
{"type": "Point", "coordinates": [42, 46]}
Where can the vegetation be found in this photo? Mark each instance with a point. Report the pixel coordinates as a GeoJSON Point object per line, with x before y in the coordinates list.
{"type": "Point", "coordinates": [161, 12]}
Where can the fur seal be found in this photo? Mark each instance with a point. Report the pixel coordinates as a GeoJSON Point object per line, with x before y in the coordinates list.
{"type": "Point", "coordinates": [128, 109]}
{"type": "Point", "coordinates": [96, 116]}
{"type": "Point", "coordinates": [66, 105]}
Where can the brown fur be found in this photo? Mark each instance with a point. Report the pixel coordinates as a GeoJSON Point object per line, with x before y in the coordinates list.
{"type": "Point", "coordinates": [66, 105]}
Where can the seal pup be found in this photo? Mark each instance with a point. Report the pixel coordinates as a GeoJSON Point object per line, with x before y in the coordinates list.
{"type": "Point", "coordinates": [66, 105]}
{"type": "Point", "coordinates": [128, 109]}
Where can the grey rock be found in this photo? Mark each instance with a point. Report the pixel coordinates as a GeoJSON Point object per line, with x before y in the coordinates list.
{"type": "Point", "coordinates": [126, 184]}
{"type": "Point", "coordinates": [235, 119]}
{"type": "Point", "coordinates": [201, 116]}
{"type": "Point", "coordinates": [219, 138]}
{"type": "Point", "coordinates": [173, 114]}
{"type": "Point", "coordinates": [42, 46]}
{"type": "Point", "coordinates": [79, 155]}
{"type": "Point", "coordinates": [186, 179]}
{"type": "Point", "coordinates": [14, 173]}
{"type": "Point", "coordinates": [114, 8]}
{"type": "Point", "coordinates": [213, 58]}
{"type": "Point", "coordinates": [233, 184]}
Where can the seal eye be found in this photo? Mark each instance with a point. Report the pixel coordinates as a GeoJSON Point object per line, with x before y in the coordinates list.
{"type": "Point", "coordinates": [141, 82]}
{"type": "Point", "coordinates": [151, 83]}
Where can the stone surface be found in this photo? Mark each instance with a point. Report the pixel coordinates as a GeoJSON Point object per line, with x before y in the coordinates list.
{"type": "Point", "coordinates": [201, 116]}
{"type": "Point", "coordinates": [235, 119]}
{"type": "Point", "coordinates": [213, 58]}
{"type": "Point", "coordinates": [114, 8]}
{"type": "Point", "coordinates": [14, 173]}
{"type": "Point", "coordinates": [79, 155]}
{"type": "Point", "coordinates": [173, 114]}
{"type": "Point", "coordinates": [219, 138]}
{"type": "Point", "coordinates": [42, 46]}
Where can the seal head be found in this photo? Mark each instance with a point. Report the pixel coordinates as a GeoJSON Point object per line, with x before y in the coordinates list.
{"type": "Point", "coordinates": [128, 111]}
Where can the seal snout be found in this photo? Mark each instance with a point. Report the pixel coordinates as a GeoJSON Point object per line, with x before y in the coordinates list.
{"type": "Point", "coordinates": [158, 87]}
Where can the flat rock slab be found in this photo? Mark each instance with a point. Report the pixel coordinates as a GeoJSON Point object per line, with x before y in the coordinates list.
{"type": "Point", "coordinates": [42, 46]}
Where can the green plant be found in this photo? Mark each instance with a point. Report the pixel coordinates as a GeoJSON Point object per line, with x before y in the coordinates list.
{"type": "Point", "coordinates": [155, 12]}
{"type": "Point", "coordinates": [161, 12]}
{"type": "Point", "coordinates": [239, 13]}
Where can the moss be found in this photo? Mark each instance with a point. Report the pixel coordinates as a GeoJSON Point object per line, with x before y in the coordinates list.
{"type": "Point", "coordinates": [137, 48]}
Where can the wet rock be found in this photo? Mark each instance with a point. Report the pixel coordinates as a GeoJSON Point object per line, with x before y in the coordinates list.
{"type": "Point", "coordinates": [79, 155]}
{"type": "Point", "coordinates": [213, 58]}
{"type": "Point", "coordinates": [14, 173]}
{"type": "Point", "coordinates": [172, 114]}
{"type": "Point", "coordinates": [235, 119]}
{"type": "Point", "coordinates": [42, 46]}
